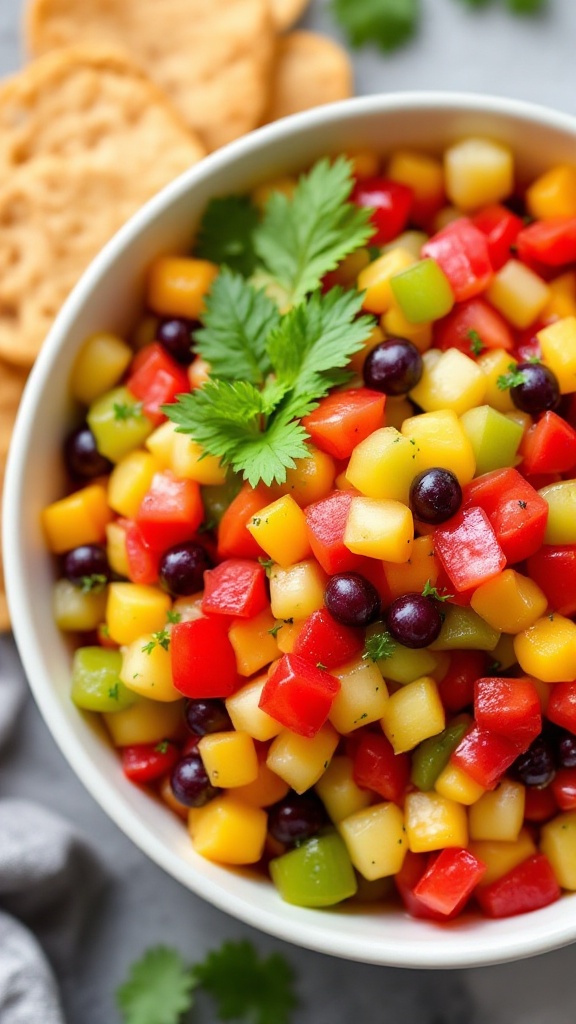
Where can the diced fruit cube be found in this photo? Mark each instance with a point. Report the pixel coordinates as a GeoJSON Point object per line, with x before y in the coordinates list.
{"type": "Point", "coordinates": [375, 839]}
{"type": "Point", "coordinates": [99, 365]}
{"type": "Point", "coordinates": [412, 714]}
{"type": "Point", "coordinates": [518, 293]}
{"type": "Point", "coordinates": [146, 721]}
{"type": "Point", "coordinates": [455, 784]}
{"type": "Point", "coordinates": [129, 481]}
{"type": "Point", "coordinates": [280, 530]}
{"type": "Point", "coordinates": [135, 609]}
{"type": "Point", "coordinates": [495, 438]}
{"type": "Point", "coordinates": [299, 760]}
{"type": "Point", "coordinates": [434, 822]}
{"type": "Point", "coordinates": [236, 587]}
{"type": "Point", "coordinates": [245, 712]}
{"type": "Point", "coordinates": [528, 886]}
{"type": "Point", "coordinates": [547, 649]}
{"type": "Point", "coordinates": [96, 684]}
{"type": "Point", "coordinates": [318, 873]}
{"type": "Point", "coordinates": [299, 695]}
{"type": "Point", "coordinates": [500, 857]}
{"type": "Point", "coordinates": [79, 518]}
{"type": "Point", "coordinates": [561, 501]}
{"type": "Point", "coordinates": [229, 758]}
{"type": "Point", "coordinates": [362, 697]}
{"type": "Point", "coordinates": [297, 591]}
{"type": "Point", "coordinates": [228, 831]}
{"type": "Point", "coordinates": [553, 194]}
{"type": "Point", "coordinates": [478, 171]}
{"type": "Point", "coordinates": [510, 602]}
{"type": "Point", "coordinates": [76, 611]}
{"type": "Point", "coordinates": [147, 668]}
{"type": "Point", "coordinates": [374, 280]}
{"type": "Point", "coordinates": [177, 285]}
{"type": "Point", "coordinates": [441, 441]}
{"type": "Point", "coordinates": [383, 465]}
{"type": "Point", "coordinates": [558, 345]}
{"type": "Point", "coordinates": [118, 423]}
{"type": "Point", "coordinates": [422, 292]}
{"type": "Point", "coordinates": [449, 381]}
{"type": "Point", "coordinates": [449, 881]}
{"type": "Point", "coordinates": [338, 790]}
{"type": "Point", "coordinates": [254, 642]}
{"type": "Point", "coordinates": [558, 842]}
{"type": "Point", "coordinates": [379, 528]}
{"type": "Point", "coordinates": [498, 814]}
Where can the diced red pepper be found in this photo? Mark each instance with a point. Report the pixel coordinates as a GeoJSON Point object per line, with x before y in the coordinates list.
{"type": "Point", "coordinates": [510, 707]}
{"type": "Point", "coordinates": [144, 762]}
{"type": "Point", "coordinates": [449, 880]}
{"type": "Point", "coordinates": [467, 548]}
{"type": "Point", "coordinates": [484, 756]}
{"type": "Point", "coordinates": [299, 695]}
{"type": "Point", "coordinates": [553, 568]}
{"type": "Point", "coordinates": [539, 804]}
{"type": "Point", "coordinates": [391, 203]}
{"type": "Point", "coordinates": [470, 321]}
{"type": "Point", "coordinates": [527, 346]}
{"type": "Point", "coordinates": [142, 560]}
{"type": "Point", "coordinates": [529, 886]}
{"type": "Point", "coordinates": [551, 241]}
{"type": "Point", "coordinates": [156, 378]}
{"type": "Point", "coordinates": [456, 688]}
{"type": "Point", "coordinates": [501, 228]}
{"type": "Point", "coordinates": [343, 419]}
{"type": "Point", "coordinates": [234, 539]}
{"type": "Point", "coordinates": [549, 446]}
{"type": "Point", "coordinates": [325, 525]}
{"type": "Point", "coordinates": [561, 707]}
{"type": "Point", "coordinates": [170, 512]}
{"type": "Point", "coordinates": [235, 587]}
{"type": "Point", "coordinates": [461, 251]}
{"type": "Point", "coordinates": [563, 786]}
{"type": "Point", "coordinates": [324, 640]}
{"type": "Point", "coordinates": [406, 880]}
{"type": "Point", "coordinates": [202, 658]}
{"type": "Point", "coordinates": [517, 513]}
{"type": "Point", "coordinates": [378, 768]}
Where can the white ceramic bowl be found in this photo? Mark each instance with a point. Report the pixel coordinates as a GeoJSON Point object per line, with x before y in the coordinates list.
{"type": "Point", "coordinates": [106, 298]}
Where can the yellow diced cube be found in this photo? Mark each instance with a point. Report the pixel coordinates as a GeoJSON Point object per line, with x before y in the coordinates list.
{"type": "Point", "coordinates": [547, 650]}
{"type": "Point", "coordinates": [456, 784]}
{"type": "Point", "coordinates": [374, 280]}
{"type": "Point", "coordinates": [99, 366]}
{"type": "Point", "coordinates": [441, 441]}
{"type": "Point", "coordinates": [553, 194]}
{"type": "Point", "coordinates": [79, 518]}
{"type": "Point", "coordinates": [129, 481]}
{"type": "Point", "coordinates": [518, 293]}
{"type": "Point", "coordinates": [395, 324]}
{"type": "Point", "coordinates": [177, 285]}
{"type": "Point", "coordinates": [502, 857]}
{"type": "Point", "coordinates": [383, 465]}
{"type": "Point", "coordinates": [410, 240]}
{"type": "Point", "coordinates": [146, 721]}
{"type": "Point", "coordinates": [362, 697]}
{"type": "Point", "coordinates": [161, 442]}
{"type": "Point", "coordinates": [247, 716]}
{"type": "Point", "coordinates": [398, 410]}
{"type": "Point", "coordinates": [412, 714]}
{"type": "Point", "coordinates": [423, 173]}
{"type": "Point", "coordinates": [147, 669]}
{"type": "Point", "coordinates": [450, 381]}
{"type": "Point", "coordinates": [478, 171]}
{"type": "Point", "coordinates": [434, 822]}
{"type": "Point", "coordinates": [376, 840]}
{"type": "Point", "coordinates": [229, 758]}
{"type": "Point", "coordinates": [495, 363]}
{"type": "Point", "coordinates": [412, 576]}
{"type": "Point", "coordinates": [562, 300]}
{"type": "Point", "coordinates": [379, 528]}
{"type": "Point", "coordinates": [189, 607]}
{"type": "Point", "coordinates": [509, 602]}
{"type": "Point", "coordinates": [76, 611]}
{"type": "Point", "coordinates": [339, 792]}
{"type": "Point", "coordinates": [309, 480]}
{"type": "Point", "coordinates": [253, 642]}
{"type": "Point", "coordinates": [280, 530]}
{"type": "Point", "coordinates": [498, 814]}
{"type": "Point", "coordinates": [298, 591]}
{"type": "Point", "coordinates": [191, 462]}
{"type": "Point", "coordinates": [287, 636]}
{"type": "Point", "coordinates": [558, 842]}
{"type": "Point", "coordinates": [266, 789]}
{"type": "Point", "coordinates": [561, 523]}
{"type": "Point", "coordinates": [228, 831]}
{"type": "Point", "coordinates": [300, 761]}
{"type": "Point", "coordinates": [558, 345]}
{"type": "Point", "coordinates": [134, 609]}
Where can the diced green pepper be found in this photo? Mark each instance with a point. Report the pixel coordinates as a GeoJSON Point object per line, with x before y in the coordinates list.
{"type": "Point", "coordinates": [431, 756]}
{"type": "Point", "coordinates": [561, 525]}
{"type": "Point", "coordinates": [75, 610]}
{"type": "Point", "coordinates": [404, 664]}
{"type": "Point", "coordinates": [464, 630]}
{"type": "Point", "coordinates": [494, 438]}
{"type": "Point", "coordinates": [217, 497]}
{"type": "Point", "coordinates": [118, 423]}
{"type": "Point", "coordinates": [422, 291]}
{"type": "Point", "coordinates": [318, 873]}
{"type": "Point", "coordinates": [96, 684]}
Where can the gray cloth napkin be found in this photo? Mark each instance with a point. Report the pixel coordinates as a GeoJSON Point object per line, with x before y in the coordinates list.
{"type": "Point", "coordinates": [48, 880]}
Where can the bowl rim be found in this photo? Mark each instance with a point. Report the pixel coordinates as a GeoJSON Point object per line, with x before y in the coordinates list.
{"type": "Point", "coordinates": [303, 928]}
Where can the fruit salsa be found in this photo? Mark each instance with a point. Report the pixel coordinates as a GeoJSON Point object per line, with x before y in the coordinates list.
{"type": "Point", "coordinates": [319, 546]}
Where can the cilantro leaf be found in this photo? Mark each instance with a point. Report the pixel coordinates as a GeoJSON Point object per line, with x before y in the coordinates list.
{"type": "Point", "coordinates": [304, 236]}
{"type": "Point", "coordinates": [379, 645]}
{"type": "Point", "coordinates": [526, 6]}
{"type": "Point", "coordinates": [386, 23]}
{"type": "Point", "coordinates": [237, 322]}
{"type": "Point", "coordinates": [476, 343]}
{"type": "Point", "coordinates": [225, 233]}
{"type": "Point", "coordinates": [430, 591]}
{"type": "Point", "coordinates": [512, 379]}
{"type": "Point", "coordinates": [476, 3]}
{"type": "Point", "coordinates": [159, 639]}
{"type": "Point", "coordinates": [246, 987]}
{"type": "Point", "coordinates": [94, 583]}
{"type": "Point", "coordinates": [158, 989]}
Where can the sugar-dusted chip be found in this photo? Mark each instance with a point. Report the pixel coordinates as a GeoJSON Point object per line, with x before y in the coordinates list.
{"type": "Point", "coordinates": [309, 70]}
{"type": "Point", "coordinates": [212, 59]}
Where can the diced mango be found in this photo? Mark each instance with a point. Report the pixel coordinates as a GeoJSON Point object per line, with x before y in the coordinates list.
{"type": "Point", "coordinates": [553, 194]}
{"type": "Point", "coordinates": [280, 530]}
{"type": "Point", "coordinates": [498, 814]}
{"type": "Point", "coordinates": [452, 381]}
{"type": "Point", "coordinates": [456, 784]}
{"type": "Point", "coordinates": [253, 642]}
{"type": "Point", "coordinates": [518, 293]}
{"type": "Point", "coordinates": [434, 822]}
{"type": "Point", "coordinates": [129, 481]}
{"type": "Point", "coordinates": [228, 831]}
{"type": "Point", "coordinates": [412, 714]}
{"type": "Point", "coordinates": [79, 518]}
{"type": "Point", "coordinates": [266, 789]}
{"type": "Point", "coordinates": [99, 365]}
{"type": "Point", "coordinates": [146, 721]}
{"type": "Point", "coordinates": [376, 840]}
{"type": "Point", "coordinates": [441, 441]}
{"type": "Point", "coordinates": [310, 480]}
{"type": "Point", "coordinates": [501, 857]}
{"type": "Point", "coordinates": [161, 443]}
{"type": "Point", "coordinates": [177, 285]}
{"type": "Point", "coordinates": [395, 324]}
{"type": "Point", "coordinates": [383, 465]}
{"type": "Point", "coordinates": [558, 345]}
{"type": "Point", "coordinates": [562, 300]}
{"type": "Point", "coordinates": [547, 649]}
{"type": "Point", "coordinates": [374, 280]}
{"type": "Point", "coordinates": [495, 363]}
{"type": "Point", "coordinates": [509, 602]}
{"type": "Point", "coordinates": [379, 528]}
{"type": "Point", "coordinates": [478, 172]}
{"type": "Point", "coordinates": [134, 609]}
{"type": "Point", "coordinates": [147, 669]}
{"type": "Point", "coordinates": [412, 576]}
{"type": "Point", "coordinates": [229, 758]}
{"type": "Point", "coordinates": [297, 591]}
{"type": "Point", "coordinates": [424, 174]}
{"type": "Point", "coordinates": [558, 842]}
{"type": "Point", "coordinates": [362, 697]}
{"type": "Point", "coordinates": [301, 762]}
{"type": "Point", "coordinates": [339, 792]}
{"type": "Point", "coordinates": [190, 462]}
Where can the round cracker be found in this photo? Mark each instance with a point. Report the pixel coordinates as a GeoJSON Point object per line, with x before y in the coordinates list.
{"type": "Point", "coordinates": [85, 140]}
{"type": "Point", "coordinates": [212, 59]}
{"type": "Point", "coordinates": [310, 70]}
{"type": "Point", "coordinates": [12, 381]}
{"type": "Point", "coordinates": [287, 12]}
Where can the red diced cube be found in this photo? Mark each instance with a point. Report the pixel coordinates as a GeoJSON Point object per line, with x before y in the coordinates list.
{"type": "Point", "coordinates": [299, 695]}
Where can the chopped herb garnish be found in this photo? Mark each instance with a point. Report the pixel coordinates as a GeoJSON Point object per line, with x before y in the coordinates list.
{"type": "Point", "coordinates": [275, 629]}
{"type": "Point", "coordinates": [430, 591]}
{"type": "Point", "coordinates": [127, 410]}
{"type": "Point", "coordinates": [379, 645]}
{"type": "Point", "coordinates": [162, 747]}
{"type": "Point", "coordinates": [320, 665]}
{"type": "Point", "coordinates": [266, 563]}
{"type": "Point", "coordinates": [114, 692]}
{"type": "Point", "coordinates": [173, 617]}
{"type": "Point", "coordinates": [476, 343]}
{"type": "Point", "coordinates": [512, 379]}
{"type": "Point", "coordinates": [94, 583]}
{"type": "Point", "coordinates": [523, 504]}
{"type": "Point", "coordinates": [388, 24]}
{"type": "Point", "coordinates": [159, 639]}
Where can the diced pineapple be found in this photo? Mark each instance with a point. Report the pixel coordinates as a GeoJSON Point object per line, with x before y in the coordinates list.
{"type": "Point", "coordinates": [379, 528]}
{"type": "Point", "coordinates": [134, 609]}
{"type": "Point", "coordinates": [383, 465]}
{"type": "Point", "coordinates": [76, 611]}
{"type": "Point", "coordinates": [374, 280]}
{"type": "Point", "coordinates": [455, 784]}
{"type": "Point", "coordinates": [498, 814]}
{"type": "Point", "coordinates": [553, 194]}
{"type": "Point", "coordinates": [478, 171]}
{"type": "Point", "coordinates": [518, 293]}
{"type": "Point", "coordinates": [147, 669]}
{"type": "Point", "coordinates": [501, 857]}
{"type": "Point", "coordinates": [280, 530]}
{"type": "Point", "coordinates": [441, 441]}
{"type": "Point", "coordinates": [99, 366]}
{"type": "Point", "coordinates": [362, 697]}
{"type": "Point", "coordinates": [189, 461]}
{"type": "Point", "coordinates": [412, 714]}
{"type": "Point", "coordinates": [301, 762]}
{"type": "Point", "coordinates": [434, 822]}
{"type": "Point", "coordinates": [558, 345]}
{"type": "Point", "coordinates": [229, 758]}
{"type": "Point", "coordinates": [116, 548]}
{"type": "Point", "coordinates": [449, 381]}
{"type": "Point", "coordinates": [558, 842]}
{"type": "Point", "coordinates": [228, 831]}
{"type": "Point", "coordinates": [338, 791]}
{"type": "Point", "coordinates": [297, 591]}
{"type": "Point", "coordinates": [247, 716]}
{"type": "Point", "coordinates": [253, 642]}
{"type": "Point", "coordinates": [395, 324]}
{"type": "Point", "coordinates": [161, 442]}
{"type": "Point", "coordinates": [266, 789]}
{"type": "Point", "coordinates": [129, 481]}
{"type": "Point", "coordinates": [376, 840]}
{"type": "Point", "coordinates": [495, 363]}
{"type": "Point", "coordinates": [146, 721]}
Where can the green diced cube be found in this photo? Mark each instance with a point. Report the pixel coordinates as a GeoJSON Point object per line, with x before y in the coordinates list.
{"type": "Point", "coordinates": [96, 684]}
{"type": "Point", "coordinates": [422, 291]}
{"type": "Point", "coordinates": [118, 423]}
{"type": "Point", "coordinates": [494, 438]}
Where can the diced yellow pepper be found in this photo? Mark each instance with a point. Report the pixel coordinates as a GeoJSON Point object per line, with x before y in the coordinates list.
{"type": "Point", "coordinates": [99, 366]}
{"type": "Point", "coordinates": [498, 814]}
{"type": "Point", "coordinates": [501, 857]}
{"type": "Point", "coordinates": [495, 363]}
{"type": "Point", "coordinates": [229, 758]}
{"type": "Point", "coordinates": [79, 518]}
{"type": "Point", "coordinates": [434, 822]}
{"type": "Point", "coordinates": [298, 591]}
{"type": "Point", "coordinates": [478, 172]}
{"type": "Point", "coordinates": [547, 650]}
{"type": "Point", "coordinates": [300, 761]}
{"type": "Point", "coordinates": [395, 324]}
{"type": "Point", "coordinates": [190, 462]}
{"type": "Point", "coordinates": [412, 714]}
{"type": "Point", "coordinates": [134, 609]}
{"type": "Point", "coordinates": [456, 784]}
{"type": "Point", "coordinates": [177, 285]}
{"type": "Point", "coordinates": [287, 636]}
{"type": "Point", "coordinates": [553, 194]}
{"type": "Point", "coordinates": [379, 528]}
{"type": "Point", "coordinates": [561, 522]}
{"type": "Point", "coordinates": [362, 697]}
{"type": "Point", "coordinates": [452, 381]}
{"type": "Point", "coordinates": [423, 173]}
{"type": "Point", "coordinates": [147, 669]}
{"type": "Point", "coordinates": [383, 465]}
{"type": "Point", "coordinates": [558, 345]}
{"type": "Point", "coordinates": [558, 842]}
{"type": "Point", "coordinates": [129, 481]}
{"type": "Point", "coordinates": [146, 721]}
{"type": "Point", "coordinates": [253, 642]}
{"type": "Point", "coordinates": [518, 293]}
{"type": "Point", "coordinates": [441, 441]}
{"type": "Point", "coordinates": [280, 530]}
{"type": "Point", "coordinates": [376, 840]}
{"type": "Point", "coordinates": [412, 576]}
{"type": "Point", "coordinates": [374, 280]}
{"type": "Point", "coordinates": [161, 442]}
{"type": "Point", "coordinates": [228, 831]}
{"type": "Point", "coordinates": [310, 480]}
{"type": "Point", "coordinates": [338, 791]}
{"type": "Point", "coordinates": [116, 549]}
{"type": "Point", "coordinates": [562, 301]}
{"type": "Point", "coordinates": [509, 602]}
{"type": "Point", "coordinates": [246, 715]}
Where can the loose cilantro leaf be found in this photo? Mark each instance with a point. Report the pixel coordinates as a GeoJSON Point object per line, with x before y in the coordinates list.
{"type": "Point", "coordinates": [386, 23]}
{"type": "Point", "coordinates": [304, 236]}
{"type": "Point", "coordinates": [476, 343]}
{"type": "Point", "coordinates": [225, 233]}
{"type": "Point", "coordinates": [430, 591]}
{"type": "Point", "coordinates": [379, 645]}
{"type": "Point", "coordinates": [247, 988]}
{"type": "Point", "coordinates": [158, 990]}
{"type": "Point", "coordinates": [94, 583]}
{"type": "Point", "coordinates": [512, 379]}
{"type": "Point", "coordinates": [172, 616]}
{"type": "Point", "coordinates": [237, 322]}
{"type": "Point", "coordinates": [159, 639]}
{"type": "Point", "coordinates": [127, 410]}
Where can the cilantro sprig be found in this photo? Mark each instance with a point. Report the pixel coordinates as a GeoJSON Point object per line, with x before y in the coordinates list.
{"type": "Point", "coordinates": [379, 645]}
{"type": "Point", "coordinates": [512, 379]}
{"type": "Point", "coordinates": [161, 638]}
{"type": "Point", "coordinates": [270, 366]}
{"type": "Point", "coordinates": [245, 988]}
